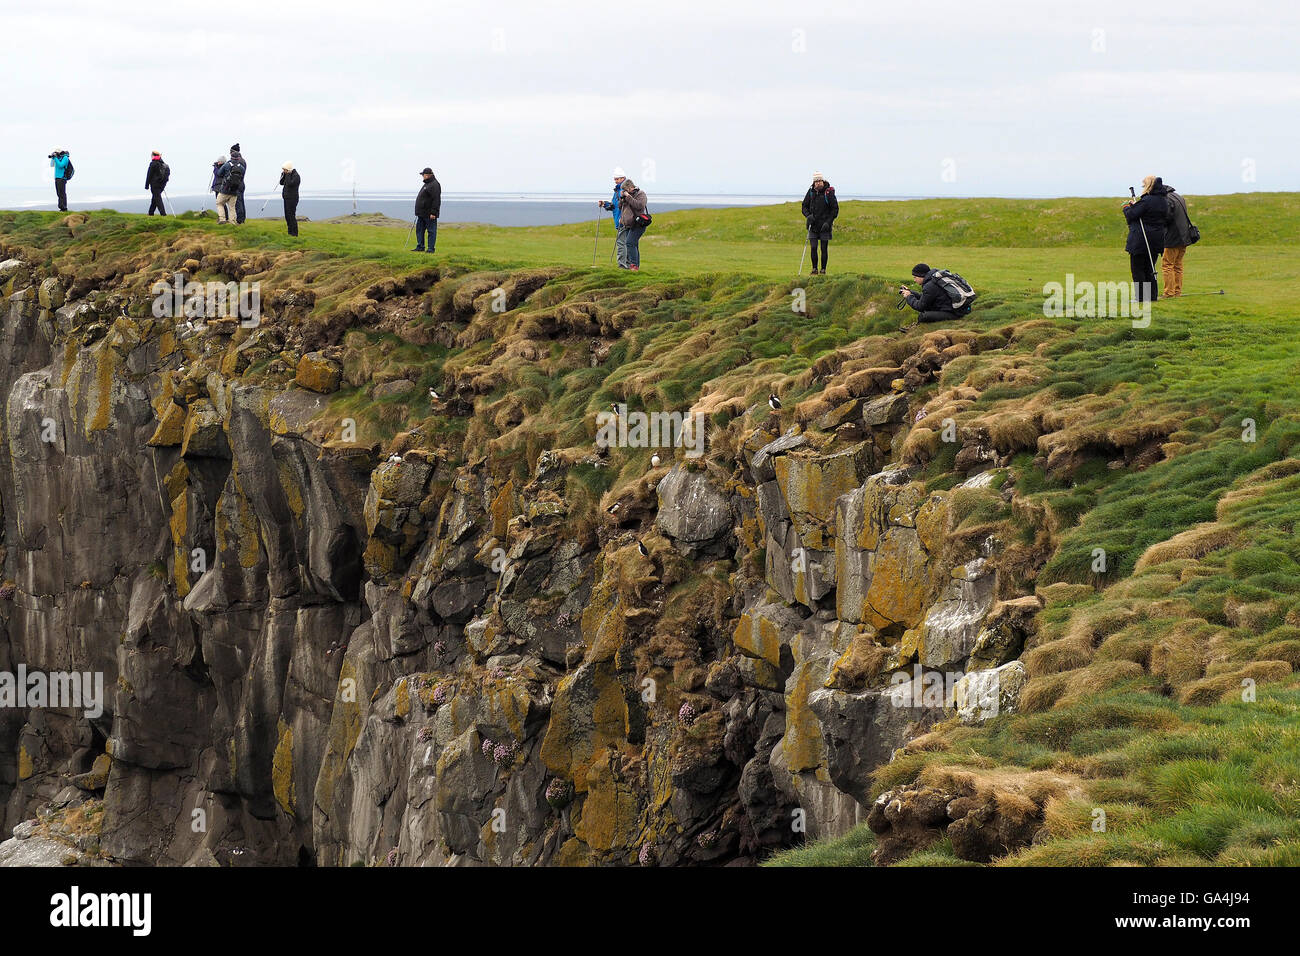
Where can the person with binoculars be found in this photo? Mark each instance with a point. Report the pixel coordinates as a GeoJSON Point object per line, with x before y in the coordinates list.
{"type": "Point", "coordinates": [62, 173]}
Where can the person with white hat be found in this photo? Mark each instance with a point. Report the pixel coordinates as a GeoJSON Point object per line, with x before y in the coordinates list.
{"type": "Point", "coordinates": [820, 207]}
{"type": "Point", "coordinates": [290, 181]}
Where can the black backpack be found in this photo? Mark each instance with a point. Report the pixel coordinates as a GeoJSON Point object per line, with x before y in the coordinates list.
{"type": "Point", "coordinates": [234, 179]}
{"type": "Point", "coordinates": [68, 171]}
{"type": "Point", "coordinates": [164, 172]}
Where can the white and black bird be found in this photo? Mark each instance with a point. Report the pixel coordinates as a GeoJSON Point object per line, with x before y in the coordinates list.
{"type": "Point", "coordinates": [655, 460]}
{"type": "Point", "coordinates": [433, 396]}
{"type": "Point", "coordinates": [773, 402]}
{"type": "Point", "coordinates": [613, 407]}
{"type": "Point", "coordinates": [394, 458]}
{"type": "Point", "coordinates": [613, 509]}
{"type": "Point", "coordinates": [642, 548]}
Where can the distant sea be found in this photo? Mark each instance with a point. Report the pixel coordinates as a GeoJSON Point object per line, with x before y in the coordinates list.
{"type": "Point", "coordinates": [497, 209]}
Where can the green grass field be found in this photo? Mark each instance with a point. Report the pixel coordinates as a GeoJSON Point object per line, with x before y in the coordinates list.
{"type": "Point", "coordinates": [1136, 675]}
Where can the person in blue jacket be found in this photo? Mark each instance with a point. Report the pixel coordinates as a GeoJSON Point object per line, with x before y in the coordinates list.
{"type": "Point", "coordinates": [60, 161]}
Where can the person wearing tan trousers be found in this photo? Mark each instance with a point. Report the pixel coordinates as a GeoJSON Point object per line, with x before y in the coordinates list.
{"type": "Point", "coordinates": [1178, 236]}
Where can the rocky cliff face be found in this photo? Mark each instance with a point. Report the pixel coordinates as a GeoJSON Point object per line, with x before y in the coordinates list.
{"type": "Point", "coordinates": [322, 652]}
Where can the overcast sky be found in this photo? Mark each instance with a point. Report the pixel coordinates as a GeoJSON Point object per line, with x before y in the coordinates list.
{"type": "Point", "coordinates": [887, 98]}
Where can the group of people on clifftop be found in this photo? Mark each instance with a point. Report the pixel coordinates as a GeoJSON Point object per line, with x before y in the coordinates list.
{"type": "Point", "coordinates": [1158, 221]}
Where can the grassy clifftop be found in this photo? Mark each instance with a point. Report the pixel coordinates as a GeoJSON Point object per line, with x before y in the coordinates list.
{"type": "Point", "coordinates": [1168, 447]}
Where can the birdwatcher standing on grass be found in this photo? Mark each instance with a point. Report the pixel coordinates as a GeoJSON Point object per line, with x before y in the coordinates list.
{"type": "Point", "coordinates": [1146, 236]}
{"type": "Point", "coordinates": [230, 179]}
{"type": "Point", "coordinates": [61, 163]}
{"type": "Point", "coordinates": [820, 207]}
{"type": "Point", "coordinates": [944, 295]}
{"type": "Point", "coordinates": [290, 181]}
{"type": "Point", "coordinates": [628, 206]}
{"type": "Point", "coordinates": [1178, 236]}
{"type": "Point", "coordinates": [155, 180]}
{"type": "Point", "coordinates": [615, 208]}
{"type": "Point", "coordinates": [428, 206]}
{"type": "Point", "coordinates": [237, 159]}
{"type": "Point", "coordinates": [215, 185]}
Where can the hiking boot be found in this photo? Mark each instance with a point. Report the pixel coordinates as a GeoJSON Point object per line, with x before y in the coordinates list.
{"type": "Point", "coordinates": [635, 268]}
{"type": "Point", "coordinates": [418, 249]}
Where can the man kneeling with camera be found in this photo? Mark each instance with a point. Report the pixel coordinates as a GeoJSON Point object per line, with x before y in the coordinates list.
{"type": "Point", "coordinates": [944, 295]}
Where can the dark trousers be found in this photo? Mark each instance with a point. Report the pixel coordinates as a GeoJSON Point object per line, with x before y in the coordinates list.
{"type": "Point", "coordinates": [239, 206]}
{"type": "Point", "coordinates": [1144, 276]}
{"type": "Point", "coordinates": [157, 202]}
{"type": "Point", "coordinates": [826, 256]}
{"type": "Point", "coordinates": [423, 225]}
{"type": "Point", "coordinates": [61, 187]}
{"type": "Point", "coordinates": [291, 216]}
{"type": "Point", "coordinates": [937, 315]}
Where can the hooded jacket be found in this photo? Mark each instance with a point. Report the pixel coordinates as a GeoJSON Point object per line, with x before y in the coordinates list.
{"type": "Point", "coordinates": [290, 180]}
{"type": "Point", "coordinates": [820, 210]}
{"type": "Point", "coordinates": [1179, 230]}
{"type": "Point", "coordinates": [428, 201]}
{"type": "Point", "coordinates": [1148, 215]}
{"type": "Point", "coordinates": [632, 202]}
{"type": "Point", "coordinates": [153, 179]}
{"type": "Point", "coordinates": [933, 297]}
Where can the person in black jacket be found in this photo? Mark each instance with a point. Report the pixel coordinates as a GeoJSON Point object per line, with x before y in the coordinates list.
{"type": "Point", "coordinates": [237, 159]}
{"type": "Point", "coordinates": [155, 180]}
{"type": "Point", "coordinates": [290, 181]}
{"type": "Point", "coordinates": [934, 304]}
{"type": "Point", "coordinates": [428, 206]}
{"type": "Point", "coordinates": [1178, 236]}
{"type": "Point", "coordinates": [820, 207]}
{"type": "Point", "coordinates": [1146, 236]}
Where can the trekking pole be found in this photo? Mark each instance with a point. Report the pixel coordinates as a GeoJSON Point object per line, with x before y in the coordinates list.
{"type": "Point", "coordinates": [801, 255]}
{"type": "Point", "coordinates": [268, 199]}
{"type": "Point", "coordinates": [599, 214]}
{"type": "Point", "coordinates": [167, 201]}
{"type": "Point", "coordinates": [408, 234]}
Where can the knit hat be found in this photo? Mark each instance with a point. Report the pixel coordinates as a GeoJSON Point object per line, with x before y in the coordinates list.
{"type": "Point", "coordinates": [287, 167]}
{"type": "Point", "coordinates": [618, 173]}
{"type": "Point", "coordinates": [920, 270]}
{"type": "Point", "coordinates": [817, 176]}
{"type": "Point", "coordinates": [221, 161]}
{"type": "Point", "coordinates": [235, 148]}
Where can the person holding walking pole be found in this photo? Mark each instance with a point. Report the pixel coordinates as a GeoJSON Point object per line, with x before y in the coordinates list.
{"type": "Point", "coordinates": [155, 180]}
{"type": "Point", "coordinates": [1146, 217]}
{"type": "Point", "coordinates": [820, 207]}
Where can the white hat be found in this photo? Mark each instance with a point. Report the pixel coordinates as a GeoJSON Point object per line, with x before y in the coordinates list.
{"type": "Point", "coordinates": [287, 167]}
{"type": "Point", "coordinates": [817, 176]}
{"type": "Point", "coordinates": [618, 173]}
